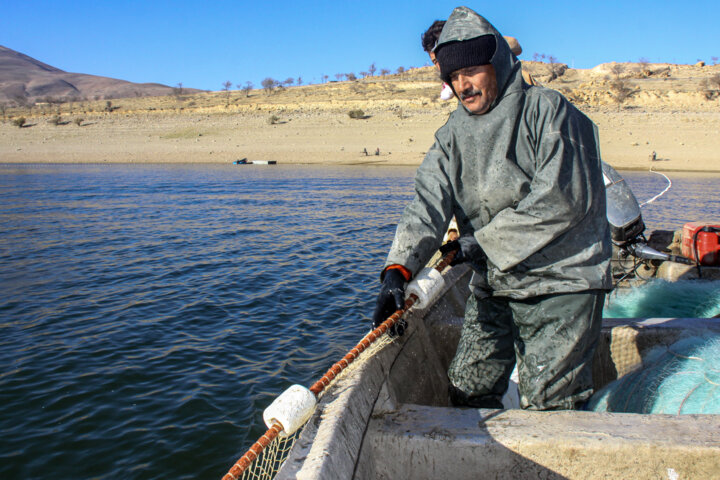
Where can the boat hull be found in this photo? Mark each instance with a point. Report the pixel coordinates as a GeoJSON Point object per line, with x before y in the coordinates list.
{"type": "Point", "coordinates": [388, 417]}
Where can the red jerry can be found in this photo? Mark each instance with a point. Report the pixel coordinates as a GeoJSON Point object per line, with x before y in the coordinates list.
{"type": "Point", "coordinates": [703, 238]}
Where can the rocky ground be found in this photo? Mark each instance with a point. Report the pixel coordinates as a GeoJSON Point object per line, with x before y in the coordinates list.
{"type": "Point", "coordinates": [671, 110]}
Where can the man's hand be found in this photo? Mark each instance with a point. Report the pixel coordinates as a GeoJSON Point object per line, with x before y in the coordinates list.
{"type": "Point", "coordinates": [391, 297]}
{"type": "Point", "coordinates": [467, 249]}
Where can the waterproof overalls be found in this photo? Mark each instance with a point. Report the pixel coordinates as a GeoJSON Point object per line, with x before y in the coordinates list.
{"type": "Point", "coordinates": [525, 180]}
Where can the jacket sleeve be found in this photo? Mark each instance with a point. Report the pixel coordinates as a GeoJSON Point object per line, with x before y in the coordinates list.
{"type": "Point", "coordinates": [566, 182]}
{"type": "Point", "coordinates": [426, 218]}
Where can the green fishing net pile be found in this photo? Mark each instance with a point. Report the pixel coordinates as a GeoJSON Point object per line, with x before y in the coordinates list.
{"type": "Point", "coordinates": [681, 379]}
{"type": "Point", "coordinates": [661, 299]}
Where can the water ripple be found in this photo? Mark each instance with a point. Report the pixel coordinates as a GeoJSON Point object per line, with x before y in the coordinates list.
{"type": "Point", "coordinates": [150, 313]}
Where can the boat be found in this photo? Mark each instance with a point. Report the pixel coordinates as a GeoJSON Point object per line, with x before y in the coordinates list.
{"type": "Point", "coordinates": [244, 161]}
{"type": "Point", "coordinates": [388, 416]}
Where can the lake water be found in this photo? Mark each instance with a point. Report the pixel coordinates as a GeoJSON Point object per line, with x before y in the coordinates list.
{"type": "Point", "coordinates": [149, 313]}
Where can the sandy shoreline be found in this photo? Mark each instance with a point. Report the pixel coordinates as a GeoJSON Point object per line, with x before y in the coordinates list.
{"type": "Point", "coordinates": [683, 141]}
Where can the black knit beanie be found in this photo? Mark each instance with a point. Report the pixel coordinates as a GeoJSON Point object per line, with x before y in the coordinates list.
{"type": "Point", "coordinates": [468, 53]}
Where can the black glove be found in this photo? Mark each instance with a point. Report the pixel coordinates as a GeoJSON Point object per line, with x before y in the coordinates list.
{"type": "Point", "coordinates": [467, 249]}
{"type": "Point", "coordinates": [391, 297]}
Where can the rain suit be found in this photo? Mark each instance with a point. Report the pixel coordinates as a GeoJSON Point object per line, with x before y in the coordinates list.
{"type": "Point", "coordinates": [525, 180]}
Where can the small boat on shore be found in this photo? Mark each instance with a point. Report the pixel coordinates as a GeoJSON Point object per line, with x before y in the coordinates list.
{"type": "Point", "coordinates": [244, 161]}
{"type": "Point", "coordinates": [388, 416]}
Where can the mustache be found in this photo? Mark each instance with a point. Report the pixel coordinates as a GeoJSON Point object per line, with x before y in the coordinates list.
{"type": "Point", "coordinates": [469, 92]}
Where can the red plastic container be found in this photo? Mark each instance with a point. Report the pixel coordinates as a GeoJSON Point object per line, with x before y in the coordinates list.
{"type": "Point", "coordinates": [708, 243]}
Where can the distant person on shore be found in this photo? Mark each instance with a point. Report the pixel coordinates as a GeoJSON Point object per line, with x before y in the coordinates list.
{"type": "Point", "coordinates": [519, 167]}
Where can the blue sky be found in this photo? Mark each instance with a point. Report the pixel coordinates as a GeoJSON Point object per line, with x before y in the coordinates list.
{"type": "Point", "coordinates": [203, 44]}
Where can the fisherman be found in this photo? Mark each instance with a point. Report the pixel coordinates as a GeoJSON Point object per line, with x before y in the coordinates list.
{"type": "Point", "coordinates": [429, 40]}
{"type": "Point", "coordinates": [519, 167]}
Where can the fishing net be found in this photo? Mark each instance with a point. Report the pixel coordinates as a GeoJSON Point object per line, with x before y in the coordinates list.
{"type": "Point", "coordinates": [263, 463]}
{"type": "Point", "coordinates": [265, 458]}
{"type": "Point", "coordinates": [680, 379]}
{"type": "Point", "coordinates": [662, 299]}
{"type": "Point", "coordinates": [269, 461]}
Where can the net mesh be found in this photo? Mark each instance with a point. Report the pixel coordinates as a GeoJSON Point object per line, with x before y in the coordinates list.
{"type": "Point", "coordinates": [267, 464]}
{"type": "Point", "coordinates": [269, 461]}
{"type": "Point", "coordinates": [267, 455]}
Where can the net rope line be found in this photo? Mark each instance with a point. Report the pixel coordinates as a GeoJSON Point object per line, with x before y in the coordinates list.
{"type": "Point", "coordinates": [669, 185]}
{"type": "Point", "coordinates": [268, 453]}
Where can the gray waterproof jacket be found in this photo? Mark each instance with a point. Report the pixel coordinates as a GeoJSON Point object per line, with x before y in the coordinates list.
{"type": "Point", "coordinates": [524, 178]}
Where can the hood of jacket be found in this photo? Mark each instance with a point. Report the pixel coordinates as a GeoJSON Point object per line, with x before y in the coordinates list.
{"type": "Point", "coordinates": [464, 24]}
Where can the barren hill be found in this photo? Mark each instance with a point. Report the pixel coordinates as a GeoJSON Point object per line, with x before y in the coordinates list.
{"type": "Point", "coordinates": [24, 80]}
{"type": "Point", "coordinates": [659, 116]}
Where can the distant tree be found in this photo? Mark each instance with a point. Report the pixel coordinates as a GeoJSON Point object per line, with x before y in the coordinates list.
{"type": "Point", "coordinates": [109, 106]}
{"type": "Point", "coordinates": [644, 66]}
{"type": "Point", "coordinates": [536, 57]}
{"type": "Point", "coordinates": [384, 71]}
{"type": "Point", "coordinates": [620, 91]}
{"type": "Point", "coordinates": [364, 74]}
{"type": "Point", "coordinates": [555, 68]}
{"type": "Point", "coordinates": [289, 81]}
{"type": "Point", "coordinates": [268, 84]}
{"type": "Point", "coordinates": [299, 81]}
{"type": "Point", "coordinates": [616, 69]}
{"type": "Point", "coordinates": [339, 76]}
{"type": "Point", "coordinates": [325, 78]}
{"type": "Point", "coordinates": [711, 87]}
{"type": "Point", "coordinates": [351, 77]}
{"type": "Point", "coordinates": [400, 70]}
{"type": "Point", "coordinates": [178, 90]}
{"type": "Point", "coordinates": [372, 69]}
{"type": "Point", "coordinates": [715, 81]}
{"type": "Point", "coordinates": [714, 60]}
{"type": "Point", "coordinates": [246, 88]}
{"type": "Point", "coordinates": [226, 88]}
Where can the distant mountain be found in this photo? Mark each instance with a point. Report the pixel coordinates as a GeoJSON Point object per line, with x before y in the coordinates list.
{"type": "Point", "coordinates": [24, 79]}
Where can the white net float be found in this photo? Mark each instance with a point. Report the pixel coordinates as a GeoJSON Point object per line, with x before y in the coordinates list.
{"type": "Point", "coordinates": [427, 285]}
{"type": "Point", "coordinates": [291, 409]}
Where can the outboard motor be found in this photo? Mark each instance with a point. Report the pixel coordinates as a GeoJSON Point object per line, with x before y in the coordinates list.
{"type": "Point", "coordinates": [625, 219]}
{"type": "Point", "coordinates": [623, 209]}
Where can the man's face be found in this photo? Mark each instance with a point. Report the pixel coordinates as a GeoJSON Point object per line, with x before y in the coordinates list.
{"type": "Point", "coordinates": [433, 59]}
{"type": "Point", "coordinates": [476, 87]}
